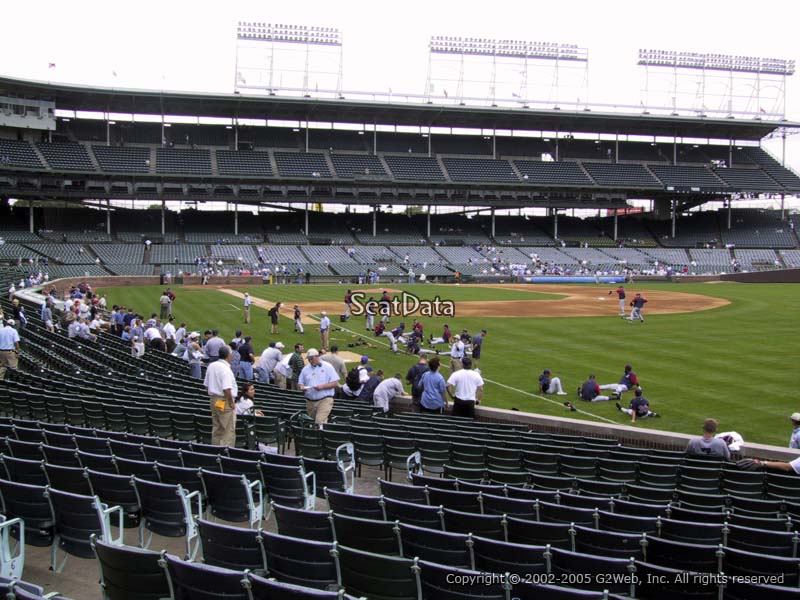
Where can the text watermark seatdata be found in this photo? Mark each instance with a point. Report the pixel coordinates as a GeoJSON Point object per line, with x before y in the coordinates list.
{"type": "Point", "coordinates": [401, 305]}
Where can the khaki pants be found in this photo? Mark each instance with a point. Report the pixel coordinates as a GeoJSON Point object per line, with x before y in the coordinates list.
{"type": "Point", "coordinates": [320, 409]}
{"type": "Point", "coordinates": [455, 364]}
{"type": "Point", "coordinates": [223, 422]}
{"type": "Point", "coordinates": [247, 314]}
{"type": "Point", "coordinates": [8, 360]}
{"type": "Point", "coordinates": [280, 380]}
{"type": "Point", "coordinates": [324, 338]}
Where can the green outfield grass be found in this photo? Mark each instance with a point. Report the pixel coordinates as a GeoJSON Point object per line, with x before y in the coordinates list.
{"type": "Point", "coordinates": [733, 363]}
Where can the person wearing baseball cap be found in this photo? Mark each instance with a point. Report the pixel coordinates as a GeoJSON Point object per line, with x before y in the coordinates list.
{"type": "Point", "coordinates": [9, 348]}
{"type": "Point", "coordinates": [794, 442]}
{"type": "Point", "coordinates": [318, 381]}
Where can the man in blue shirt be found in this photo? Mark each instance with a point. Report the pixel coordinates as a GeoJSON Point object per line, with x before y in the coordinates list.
{"type": "Point", "coordinates": [318, 381]}
{"type": "Point", "coordinates": [433, 399]}
{"type": "Point", "coordinates": [795, 441]}
{"type": "Point", "coordinates": [639, 407]}
{"type": "Point", "coordinates": [477, 342]}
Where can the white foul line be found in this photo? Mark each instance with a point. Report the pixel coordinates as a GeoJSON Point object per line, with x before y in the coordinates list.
{"type": "Point", "coordinates": [508, 387]}
{"type": "Point", "coordinates": [236, 307]}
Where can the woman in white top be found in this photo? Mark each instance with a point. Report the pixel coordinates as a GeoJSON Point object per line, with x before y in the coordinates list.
{"type": "Point", "coordinates": [244, 405]}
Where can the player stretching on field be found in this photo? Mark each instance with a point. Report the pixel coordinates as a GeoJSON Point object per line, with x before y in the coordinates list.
{"type": "Point", "coordinates": [628, 381]}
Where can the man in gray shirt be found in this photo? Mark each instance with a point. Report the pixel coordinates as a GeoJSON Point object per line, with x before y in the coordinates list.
{"type": "Point", "coordinates": [213, 344]}
{"type": "Point", "coordinates": [336, 361]}
{"type": "Point", "coordinates": [708, 445]}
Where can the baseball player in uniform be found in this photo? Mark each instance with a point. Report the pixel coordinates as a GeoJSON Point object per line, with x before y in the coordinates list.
{"type": "Point", "coordinates": [637, 303]}
{"type": "Point", "coordinates": [620, 291]}
{"type": "Point", "coordinates": [298, 323]}
{"type": "Point", "coordinates": [628, 381]}
{"type": "Point", "coordinates": [549, 384]}
{"type": "Point", "coordinates": [639, 407]}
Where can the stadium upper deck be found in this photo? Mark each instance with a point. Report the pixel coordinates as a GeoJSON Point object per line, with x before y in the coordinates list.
{"type": "Point", "coordinates": [102, 158]}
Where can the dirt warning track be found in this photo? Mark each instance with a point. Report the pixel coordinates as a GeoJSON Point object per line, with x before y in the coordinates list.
{"type": "Point", "coordinates": [573, 301]}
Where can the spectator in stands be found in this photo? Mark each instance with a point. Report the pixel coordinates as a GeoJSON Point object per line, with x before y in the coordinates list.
{"type": "Point", "coordinates": [386, 390]}
{"type": "Point", "coordinates": [47, 318]}
{"type": "Point", "coordinates": [465, 387]}
{"type": "Point", "coordinates": [639, 407]}
{"type": "Point", "coordinates": [708, 445]}
{"type": "Point", "coordinates": [221, 385]}
{"type": "Point", "coordinates": [237, 339]}
{"type": "Point", "coordinates": [549, 384]}
{"type": "Point", "coordinates": [413, 378]}
{"type": "Point", "coordinates": [367, 392]}
{"type": "Point", "coordinates": [318, 382]}
{"type": "Point", "coordinates": [245, 404]}
{"type": "Point", "coordinates": [9, 348]}
{"type": "Point", "coordinates": [170, 335]}
{"type": "Point", "coordinates": [153, 338]}
{"type": "Point", "coordinates": [590, 391]}
{"type": "Point", "coordinates": [794, 441]}
{"type": "Point", "coordinates": [180, 333]}
{"type": "Point", "coordinates": [270, 357]}
{"type": "Point", "coordinates": [126, 334]}
{"type": "Point", "coordinates": [433, 398]}
{"type": "Point", "coordinates": [137, 347]}
{"type": "Point", "coordinates": [296, 365]}
{"type": "Point", "coordinates": [11, 291]}
{"type": "Point", "coordinates": [194, 355]}
{"type": "Point", "coordinates": [213, 344]}
{"type": "Point", "coordinates": [247, 358]}
{"type": "Point", "coordinates": [336, 361]}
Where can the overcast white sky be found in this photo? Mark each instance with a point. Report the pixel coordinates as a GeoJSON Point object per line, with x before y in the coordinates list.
{"type": "Point", "coordinates": [191, 45]}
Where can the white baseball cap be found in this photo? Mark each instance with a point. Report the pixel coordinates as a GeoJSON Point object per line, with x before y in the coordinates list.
{"type": "Point", "coordinates": [312, 352]}
{"type": "Point", "coordinates": [794, 417]}
{"type": "Point", "coordinates": [279, 345]}
{"type": "Point", "coordinates": [323, 312]}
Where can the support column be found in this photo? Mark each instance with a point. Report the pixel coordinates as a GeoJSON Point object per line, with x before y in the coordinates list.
{"type": "Point", "coordinates": [730, 210]}
{"type": "Point", "coordinates": [374, 221]}
{"type": "Point", "coordinates": [306, 137]}
{"type": "Point", "coordinates": [428, 234]}
{"type": "Point", "coordinates": [555, 223]}
{"type": "Point", "coordinates": [674, 206]}
{"type": "Point", "coordinates": [108, 131]}
{"type": "Point", "coordinates": [306, 219]}
{"type": "Point", "coordinates": [375, 140]}
{"type": "Point", "coordinates": [235, 218]}
{"type": "Point", "coordinates": [616, 216]}
{"type": "Point", "coordinates": [730, 153]}
{"type": "Point", "coordinates": [674, 151]}
{"type": "Point", "coordinates": [235, 134]}
{"type": "Point", "coordinates": [783, 210]}
{"type": "Point", "coordinates": [163, 217]}
{"type": "Point", "coordinates": [430, 142]}
{"type": "Point", "coordinates": [494, 143]}
{"type": "Point", "coordinates": [492, 222]}
{"type": "Point", "coordinates": [616, 148]}
{"type": "Point", "coordinates": [108, 216]}
{"type": "Point", "coordinates": [30, 217]}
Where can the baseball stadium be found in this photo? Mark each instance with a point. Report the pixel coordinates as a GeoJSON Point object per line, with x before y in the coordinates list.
{"type": "Point", "coordinates": [608, 292]}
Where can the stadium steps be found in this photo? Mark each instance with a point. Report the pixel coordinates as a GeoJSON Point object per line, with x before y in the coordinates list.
{"type": "Point", "coordinates": [585, 172]}
{"type": "Point", "coordinates": [329, 162]}
{"type": "Point", "coordinates": [272, 162]}
{"type": "Point", "coordinates": [385, 167]}
{"type": "Point", "coordinates": [42, 159]}
{"type": "Point", "coordinates": [516, 170]}
{"type": "Point", "coordinates": [146, 259]}
{"type": "Point", "coordinates": [92, 157]}
{"type": "Point", "coordinates": [213, 159]}
{"type": "Point", "coordinates": [440, 162]}
{"type": "Point", "coordinates": [152, 159]}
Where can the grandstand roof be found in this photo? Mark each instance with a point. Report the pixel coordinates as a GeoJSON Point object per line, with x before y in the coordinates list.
{"type": "Point", "coordinates": [119, 100]}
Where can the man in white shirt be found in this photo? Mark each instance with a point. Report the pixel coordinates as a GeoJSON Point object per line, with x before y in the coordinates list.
{"type": "Point", "coordinates": [386, 390]}
{"type": "Point", "coordinates": [170, 335]}
{"type": "Point", "coordinates": [465, 387]}
{"type": "Point", "coordinates": [324, 329]}
{"type": "Point", "coordinates": [318, 382]}
{"type": "Point", "coordinates": [222, 390]}
{"type": "Point", "coordinates": [271, 356]}
{"type": "Point", "coordinates": [456, 354]}
{"type": "Point", "coordinates": [153, 338]}
{"type": "Point", "coordinates": [247, 302]}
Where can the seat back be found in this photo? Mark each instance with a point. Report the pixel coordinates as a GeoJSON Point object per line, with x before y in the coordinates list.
{"type": "Point", "coordinates": [378, 577]}
{"type": "Point", "coordinates": [196, 581]}
{"type": "Point", "coordinates": [129, 573]}
{"type": "Point", "coordinates": [301, 562]}
{"type": "Point", "coordinates": [450, 583]}
{"type": "Point", "coordinates": [233, 497]}
{"type": "Point", "coordinates": [380, 537]}
{"type": "Point", "coordinates": [289, 485]}
{"type": "Point", "coordinates": [231, 547]}
{"type": "Point", "coordinates": [414, 514]}
{"type": "Point", "coordinates": [303, 524]}
{"type": "Point", "coordinates": [436, 546]}
{"type": "Point", "coordinates": [364, 507]}
{"type": "Point", "coordinates": [22, 470]}
{"type": "Point", "coordinates": [268, 589]}
{"type": "Point", "coordinates": [68, 479]}
{"type": "Point", "coordinates": [29, 503]}
{"type": "Point", "coordinates": [116, 490]}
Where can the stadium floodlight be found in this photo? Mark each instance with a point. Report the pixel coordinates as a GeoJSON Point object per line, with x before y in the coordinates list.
{"type": "Point", "coordinates": [511, 48]}
{"type": "Point", "coordinates": [716, 62]}
{"type": "Point", "coordinates": [303, 34]}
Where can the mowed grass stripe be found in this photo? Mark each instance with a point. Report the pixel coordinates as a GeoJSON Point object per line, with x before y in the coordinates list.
{"type": "Point", "coordinates": [735, 363]}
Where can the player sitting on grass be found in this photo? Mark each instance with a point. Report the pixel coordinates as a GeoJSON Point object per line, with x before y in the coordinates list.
{"type": "Point", "coordinates": [639, 407]}
{"type": "Point", "coordinates": [550, 385]}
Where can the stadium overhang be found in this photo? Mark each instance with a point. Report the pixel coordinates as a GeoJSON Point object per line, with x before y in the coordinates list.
{"type": "Point", "coordinates": [240, 106]}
